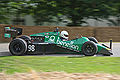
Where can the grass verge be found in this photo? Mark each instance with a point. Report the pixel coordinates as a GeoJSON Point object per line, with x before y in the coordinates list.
{"type": "Point", "coordinates": [12, 64]}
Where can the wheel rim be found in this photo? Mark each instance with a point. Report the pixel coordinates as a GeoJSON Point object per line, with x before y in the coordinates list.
{"type": "Point", "coordinates": [89, 49]}
{"type": "Point", "coordinates": [17, 47]}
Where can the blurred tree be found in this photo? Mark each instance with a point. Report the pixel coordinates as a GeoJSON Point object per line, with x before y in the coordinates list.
{"type": "Point", "coordinates": [114, 21]}
{"type": "Point", "coordinates": [79, 10]}
{"type": "Point", "coordinates": [3, 11]}
{"type": "Point", "coordinates": [42, 11]}
{"type": "Point", "coordinates": [10, 7]}
{"type": "Point", "coordinates": [47, 10]}
{"type": "Point", "coordinates": [75, 10]}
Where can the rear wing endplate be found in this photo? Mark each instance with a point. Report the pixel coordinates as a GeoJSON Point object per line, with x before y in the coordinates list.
{"type": "Point", "coordinates": [12, 32]}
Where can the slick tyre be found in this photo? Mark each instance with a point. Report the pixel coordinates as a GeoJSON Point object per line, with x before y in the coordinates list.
{"type": "Point", "coordinates": [93, 39]}
{"type": "Point", "coordinates": [26, 38]}
{"type": "Point", "coordinates": [89, 48]}
{"type": "Point", "coordinates": [18, 47]}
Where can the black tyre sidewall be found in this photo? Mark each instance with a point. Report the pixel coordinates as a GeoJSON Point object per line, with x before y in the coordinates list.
{"type": "Point", "coordinates": [93, 45]}
{"type": "Point", "coordinates": [22, 42]}
{"type": "Point", "coordinates": [25, 37]}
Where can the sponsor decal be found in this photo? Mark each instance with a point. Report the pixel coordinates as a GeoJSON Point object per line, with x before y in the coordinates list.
{"type": "Point", "coordinates": [52, 38]}
{"type": "Point", "coordinates": [65, 44]}
{"type": "Point", "coordinates": [47, 36]}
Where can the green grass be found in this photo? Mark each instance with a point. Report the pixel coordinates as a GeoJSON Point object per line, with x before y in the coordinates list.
{"type": "Point", "coordinates": [13, 64]}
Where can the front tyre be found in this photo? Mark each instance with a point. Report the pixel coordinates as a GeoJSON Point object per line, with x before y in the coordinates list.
{"type": "Point", "coordinates": [18, 47]}
{"type": "Point", "coordinates": [89, 48]}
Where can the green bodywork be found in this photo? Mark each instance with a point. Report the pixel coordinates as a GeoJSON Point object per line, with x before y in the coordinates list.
{"type": "Point", "coordinates": [75, 44]}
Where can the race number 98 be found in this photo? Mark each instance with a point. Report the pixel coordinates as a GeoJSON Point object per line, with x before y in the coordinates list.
{"type": "Point", "coordinates": [31, 47]}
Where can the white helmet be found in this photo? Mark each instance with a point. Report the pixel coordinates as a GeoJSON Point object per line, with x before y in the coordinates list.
{"type": "Point", "coordinates": [64, 35]}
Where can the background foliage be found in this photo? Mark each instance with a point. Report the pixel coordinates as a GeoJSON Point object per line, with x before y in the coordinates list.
{"type": "Point", "coordinates": [53, 10]}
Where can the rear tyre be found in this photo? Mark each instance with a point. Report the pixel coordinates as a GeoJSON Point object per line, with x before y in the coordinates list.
{"type": "Point", "coordinates": [18, 47]}
{"type": "Point", "coordinates": [89, 48]}
{"type": "Point", "coordinates": [26, 38]}
{"type": "Point", "coordinates": [93, 39]}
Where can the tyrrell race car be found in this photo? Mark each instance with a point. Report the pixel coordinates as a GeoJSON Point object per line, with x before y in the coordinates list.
{"type": "Point", "coordinates": [53, 42]}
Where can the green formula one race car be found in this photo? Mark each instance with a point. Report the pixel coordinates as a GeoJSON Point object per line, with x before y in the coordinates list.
{"type": "Point", "coordinates": [53, 42]}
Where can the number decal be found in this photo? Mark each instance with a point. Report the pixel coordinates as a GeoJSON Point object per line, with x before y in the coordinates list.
{"type": "Point", "coordinates": [31, 47]}
{"type": "Point", "coordinates": [52, 38]}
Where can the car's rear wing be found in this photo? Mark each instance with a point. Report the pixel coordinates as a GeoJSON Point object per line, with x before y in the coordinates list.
{"type": "Point", "coordinates": [12, 32]}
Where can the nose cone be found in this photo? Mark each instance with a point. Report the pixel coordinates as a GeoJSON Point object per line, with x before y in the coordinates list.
{"type": "Point", "coordinates": [106, 51]}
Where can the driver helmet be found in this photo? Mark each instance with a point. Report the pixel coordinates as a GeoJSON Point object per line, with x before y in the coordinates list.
{"type": "Point", "coordinates": [64, 35]}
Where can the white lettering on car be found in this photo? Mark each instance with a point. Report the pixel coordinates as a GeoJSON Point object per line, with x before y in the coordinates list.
{"type": "Point", "coordinates": [47, 36]}
{"type": "Point", "coordinates": [31, 47]}
{"type": "Point", "coordinates": [70, 45]}
{"type": "Point", "coordinates": [52, 38]}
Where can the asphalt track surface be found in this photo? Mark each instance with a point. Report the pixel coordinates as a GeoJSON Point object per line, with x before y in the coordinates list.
{"type": "Point", "coordinates": [5, 52]}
